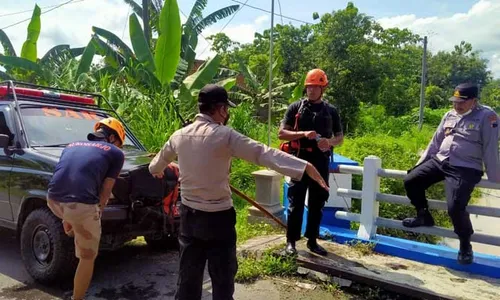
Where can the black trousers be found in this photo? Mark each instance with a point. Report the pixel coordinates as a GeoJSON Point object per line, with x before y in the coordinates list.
{"type": "Point", "coordinates": [459, 184]}
{"type": "Point", "coordinates": [205, 236]}
{"type": "Point", "coordinates": [317, 198]}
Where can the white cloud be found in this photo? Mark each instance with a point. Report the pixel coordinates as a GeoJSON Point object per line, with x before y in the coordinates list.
{"type": "Point", "coordinates": [262, 19]}
{"type": "Point", "coordinates": [479, 26]}
{"type": "Point", "coordinates": [241, 33]}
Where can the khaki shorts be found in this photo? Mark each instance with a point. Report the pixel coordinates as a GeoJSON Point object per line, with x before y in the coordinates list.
{"type": "Point", "coordinates": [83, 221]}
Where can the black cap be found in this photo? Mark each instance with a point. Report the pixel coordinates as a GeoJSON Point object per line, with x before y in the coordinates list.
{"type": "Point", "coordinates": [464, 92]}
{"type": "Point", "coordinates": [96, 136]}
{"type": "Point", "coordinates": [100, 134]}
{"type": "Point", "coordinates": [213, 94]}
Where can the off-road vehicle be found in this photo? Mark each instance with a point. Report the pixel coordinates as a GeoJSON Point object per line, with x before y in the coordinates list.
{"type": "Point", "coordinates": [36, 123]}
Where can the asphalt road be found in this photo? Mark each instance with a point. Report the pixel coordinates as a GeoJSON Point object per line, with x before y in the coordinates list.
{"type": "Point", "coordinates": [133, 272]}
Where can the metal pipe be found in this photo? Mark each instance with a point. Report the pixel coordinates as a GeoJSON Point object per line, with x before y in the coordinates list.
{"type": "Point", "coordinates": [422, 85]}
{"type": "Point", "coordinates": [441, 205]}
{"type": "Point", "coordinates": [439, 231]}
{"type": "Point", "coordinates": [351, 169]}
{"type": "Point", "coordinates": [344, 215]}
{"type": "Point", "coordinates": [270, 103]}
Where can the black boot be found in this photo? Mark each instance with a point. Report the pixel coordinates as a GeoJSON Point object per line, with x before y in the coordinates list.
{"type": "Point", "coordinates": [315, 248]}
{"type": "Point", "coordinates": [465, 254]}
{"type": "Point", "coordinates": [424, 218]}
{"type": "Point", "coordinates": [290, 248]}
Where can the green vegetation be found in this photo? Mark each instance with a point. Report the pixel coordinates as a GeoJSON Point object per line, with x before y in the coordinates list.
{"type": "Point", "coordinates": [374, 75]}
{"type": "Point", "coordinates": [251, 267]}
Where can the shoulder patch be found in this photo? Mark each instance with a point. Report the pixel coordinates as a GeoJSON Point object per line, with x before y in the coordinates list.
{"type": "Point", "coordinates": [493, 120]}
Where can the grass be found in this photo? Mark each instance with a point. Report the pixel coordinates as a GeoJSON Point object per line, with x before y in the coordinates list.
{"type": "Point", "coordinates": [251, 268]}
{"type": "Point", "coordinates": [246, 230]}
{"type": "Point", "coordinates": [362, 248]}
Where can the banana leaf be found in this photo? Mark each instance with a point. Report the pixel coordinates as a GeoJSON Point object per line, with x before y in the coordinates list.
{"type": "Point", "coordinates": [168, 47]}
{"type": "Point", "coordinates": [28, 50]}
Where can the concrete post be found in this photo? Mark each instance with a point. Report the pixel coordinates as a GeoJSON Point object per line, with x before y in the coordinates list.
{"type": "Point", "coordinates": [267, 194]}
{"type": "Point", "coordinates": [369, 204]}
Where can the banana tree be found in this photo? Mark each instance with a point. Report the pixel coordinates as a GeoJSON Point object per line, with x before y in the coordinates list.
{"type": "Point", "coordinates": [257, 92]}
{"type": "Point", "coordinates": [193, 26]}
{"type": "Point", "coordinates": [28, 66]}
{"type": "Point", "coordinates": [138, 65]}
{"type": "Point", "coordinates": [208, 72]}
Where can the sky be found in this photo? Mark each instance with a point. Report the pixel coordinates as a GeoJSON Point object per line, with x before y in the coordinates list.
{"type": "Point", "coordinates": [445, 22]}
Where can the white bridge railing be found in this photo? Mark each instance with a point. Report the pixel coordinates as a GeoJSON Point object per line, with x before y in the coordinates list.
{"type": "Point", "coordinates": [370, 197]}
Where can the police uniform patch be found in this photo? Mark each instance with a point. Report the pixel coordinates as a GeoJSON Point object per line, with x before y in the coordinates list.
{"type": "Point", "coordinates": [471, 126]}
{"type": "Point", "coordinates": [493, 121]}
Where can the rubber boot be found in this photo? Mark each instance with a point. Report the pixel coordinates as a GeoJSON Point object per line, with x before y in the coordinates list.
{"type": "Point", "coordinates": [465, 254]}
{"type": "Point", "coordinates": [423, 218]}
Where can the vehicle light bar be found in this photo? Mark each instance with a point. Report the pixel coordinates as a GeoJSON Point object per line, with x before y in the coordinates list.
{"type": "Point", "coordinates": [4, 91]}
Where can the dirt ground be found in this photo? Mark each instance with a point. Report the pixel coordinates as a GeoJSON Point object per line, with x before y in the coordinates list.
{"type": "Point", "coordinates": [132, 273]}
{"type": "Point", "coordinates": [440, 280]}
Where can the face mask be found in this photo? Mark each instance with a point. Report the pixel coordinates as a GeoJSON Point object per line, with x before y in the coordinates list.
{"type": "Point", "coordinates": [227, 118]}
{"type": "Point", "coordinates": [465, 113]}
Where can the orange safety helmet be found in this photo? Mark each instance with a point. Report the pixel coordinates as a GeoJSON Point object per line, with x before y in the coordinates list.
{"type": "Point", "coordinates": [114, 124]}
{"type": "Point", "coordinates": [316, 77]}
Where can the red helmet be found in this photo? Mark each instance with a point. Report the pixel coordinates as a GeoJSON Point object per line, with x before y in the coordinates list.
{"type": "Point", "coordinates": [316, 77]}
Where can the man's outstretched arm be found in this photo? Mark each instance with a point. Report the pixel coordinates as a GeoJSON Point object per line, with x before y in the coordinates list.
{"type": "Point", "coordinates": [250, 150]}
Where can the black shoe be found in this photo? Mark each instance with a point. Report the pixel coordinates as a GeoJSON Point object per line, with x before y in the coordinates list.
{"type": "Point", "coordinates": [290, 248]}
{"type": "Point", "coordinates": [424, 218]}
{"type": "Point", "coordinates": [465, 257]}
{"type": "Point", "coordinates": [315, 248]}
{"type": "Point", "coordinates": [465, 254]}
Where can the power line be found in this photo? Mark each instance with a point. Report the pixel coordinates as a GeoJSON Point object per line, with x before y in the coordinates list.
{"type": "Point", "coordinates": [53, 8]}
{"type": "Point", "coordinates": [25, 11]}
{"type": "Point", "coordinates": [261, 9]}
{"type": "Point", "coordinates": [200, 32]}
{"type": "Point", "coordinates": [232, 17]}
{"type": "Point", "coordinates": [126, 21]}
{"type": "Point", "coordinates": [279, 4]}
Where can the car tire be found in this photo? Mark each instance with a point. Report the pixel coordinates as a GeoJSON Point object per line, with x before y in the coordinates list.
{"type": "Point", "coordinates": [163, 244]}
{"type": "Point", "coordinates": [47, 252]}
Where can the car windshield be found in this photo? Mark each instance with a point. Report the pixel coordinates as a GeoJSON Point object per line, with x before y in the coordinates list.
{"type": "Point", "coordinates": [58, 126]}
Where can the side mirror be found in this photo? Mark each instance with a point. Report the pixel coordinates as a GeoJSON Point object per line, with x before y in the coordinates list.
{"type": "Point", "coordinates": [4, 141]}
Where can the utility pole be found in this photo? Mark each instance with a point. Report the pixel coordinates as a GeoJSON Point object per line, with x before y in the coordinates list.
{"type": "Point", "coordinates": [145, 20]}
{"type": "Point", "coordinates": [270, 103]}
{"type": "Point", "coordinates": [422, 85]}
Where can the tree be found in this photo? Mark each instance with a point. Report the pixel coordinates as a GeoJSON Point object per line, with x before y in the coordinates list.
{"type": "Point", "coordinates": [221, 43]}
{"type": "Point", "coordinates": [193, 26]}
{"type": "Point", "coordinates": [463, 64]}
{"type": "Point", "coordinates": [344, 48]}
{"type": "Point", "coordinates": [490, 94]}
{"type": "Point", "coordinates": [28, 66]}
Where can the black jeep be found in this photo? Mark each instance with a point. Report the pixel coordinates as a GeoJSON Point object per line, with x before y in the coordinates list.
{"type": "Point", "coordinates": [36, 123]}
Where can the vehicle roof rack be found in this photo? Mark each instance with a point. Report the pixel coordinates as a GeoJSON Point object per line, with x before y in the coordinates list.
{"type": "Point", "coordinates": [56, 95]}
{"type": "Point", "coordinates": [46, 93]}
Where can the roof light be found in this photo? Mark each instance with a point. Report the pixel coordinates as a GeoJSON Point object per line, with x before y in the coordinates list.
{"type": "Point", "coordinates": [4, 91]}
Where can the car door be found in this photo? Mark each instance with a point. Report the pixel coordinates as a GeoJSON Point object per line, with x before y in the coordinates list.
{"type": "Point", "coordinates": [6, 161]}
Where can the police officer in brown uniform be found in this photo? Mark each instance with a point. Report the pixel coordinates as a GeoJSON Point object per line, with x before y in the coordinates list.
{"type": "Point", "coordinates": [466, 138]}
{"type": "Point", "coordinates": [207, 226]}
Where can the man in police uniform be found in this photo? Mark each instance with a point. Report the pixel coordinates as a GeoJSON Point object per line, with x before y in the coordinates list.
{"type": "Point", "coordinates": [466, 137]}
{"type": "Point", "coordinates": [207, 226]}
{"type": "Point", "coordinates": [317, 130]}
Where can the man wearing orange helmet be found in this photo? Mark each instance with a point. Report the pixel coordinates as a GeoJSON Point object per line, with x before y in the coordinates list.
{"type": "Point", "coordinates": [311, 128]}
{"type": "Point", "coordinates": [80, 188]}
